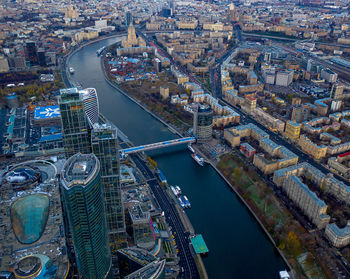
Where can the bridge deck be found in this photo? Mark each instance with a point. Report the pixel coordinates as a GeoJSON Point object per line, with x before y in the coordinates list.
{"type": "Point", "coordinates": [157, 145]}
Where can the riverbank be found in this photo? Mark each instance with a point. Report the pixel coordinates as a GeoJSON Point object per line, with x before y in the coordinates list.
{"type": "Point", "coordinates": [225, 228]}
{"type": "Point", "coordinates": [291, 240]}
{"type": "Point", "coordinates": [253, 213]}
{"type": "Point", "coordinates": [171, 127]}
{"type": "Point", "coordinates": [183, 216]}
{"type": "Point", "coordinates": [246, 204]}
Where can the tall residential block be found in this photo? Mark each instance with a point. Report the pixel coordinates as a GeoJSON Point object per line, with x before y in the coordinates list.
{"type": "Point", "coordinates": [76, 138]}
{"type": "Point", "coordinates": [104, 144]}
{"type": "Point", "coordinates": [84, 205]}
{"type": "Point", "coordinates": [292, 130]}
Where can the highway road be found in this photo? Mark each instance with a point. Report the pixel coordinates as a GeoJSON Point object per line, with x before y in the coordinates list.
{"type": "Point", "coordinates": [187, 261]}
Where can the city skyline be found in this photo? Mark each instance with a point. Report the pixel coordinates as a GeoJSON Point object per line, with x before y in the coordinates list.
{"type": "Point", "coordinates": [175, 139]}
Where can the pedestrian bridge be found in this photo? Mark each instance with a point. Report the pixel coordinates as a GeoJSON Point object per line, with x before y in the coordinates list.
{"type": "Point", "coordinates": [156, 145]}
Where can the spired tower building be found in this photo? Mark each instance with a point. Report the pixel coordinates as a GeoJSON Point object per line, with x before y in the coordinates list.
{"type": "Point", "coordinates": [104, 144]}
{"type": "Point", "coordinates": [132, 40]}
{"type": "Point", "coordinates": [83, 202]}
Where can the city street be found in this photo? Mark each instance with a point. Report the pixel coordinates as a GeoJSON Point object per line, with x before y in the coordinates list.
{"type": "Point", "coordinates": [186, 255]}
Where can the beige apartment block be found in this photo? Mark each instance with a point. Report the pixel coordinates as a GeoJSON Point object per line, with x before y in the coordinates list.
{"type": "Point", "coordinates": [316, 151]}
{"type": "Point", "coordinates": [339, 237]}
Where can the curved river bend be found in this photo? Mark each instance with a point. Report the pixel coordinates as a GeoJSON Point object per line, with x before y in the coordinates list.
{"type": "Point", "coordinates": [238, 248]}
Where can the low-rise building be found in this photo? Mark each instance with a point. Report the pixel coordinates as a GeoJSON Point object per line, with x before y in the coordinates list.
{"type": "Point", "coordinates": [312, 206]}
{"type": "Point", "coordinates": [268, 120]}
{"type": "Point", "coordinates": [329, 75]}
{"type": "Point", "coordinates": [311, 148]}
{"type": "Point", "coordinates": [225, 115]}
{"type": "Point", "coordinates": [328, 183]}
{"type": "Point", "coordinates": [284, 78]}
{"type": "Point", "coordinates": [339, 237]}
{"type": "Point", "coordinates": [278, 157]}
{"type": "Point", "coordinates": [4, 65]}
{"type": "Point", "coordinates": [247, 150]}
{"type": "Point", "coordinates": [233, 135]}
{"type": "Point", "coordinates": [250, 104]}
{"type": "Point", "coordinates": [339, 164]}
{"type": "Point", "coordinates": [187, 24]}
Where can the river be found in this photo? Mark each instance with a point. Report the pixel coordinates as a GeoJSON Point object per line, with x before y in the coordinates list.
{"type": "Point", "coordinates": [238, 248]}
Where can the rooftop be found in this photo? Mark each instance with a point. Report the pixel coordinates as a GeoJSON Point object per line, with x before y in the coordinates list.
{"type": "Point", "coordinates": [141, 256]}
{"type": "Point", "coordinates": [340, 232]}
{"type": "Point", "coordinates": [29, 216]}
{"type": "Point", "coordinates": [152, 270]}
{"type": "Point", "coordinates": [46, 112]}
{"type": "Point", "coordinates": [199, 245]}
{"type": "Point", "coordinates": [138, 215]}
{"type": "Point", "coordinates": [80, 169]}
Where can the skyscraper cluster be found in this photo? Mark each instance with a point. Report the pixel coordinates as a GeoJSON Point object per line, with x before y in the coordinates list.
{"type": "Point", "coordinates": [90, 184]}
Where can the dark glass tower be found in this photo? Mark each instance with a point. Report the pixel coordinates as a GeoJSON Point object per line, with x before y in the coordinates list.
{"type": "Point", "coordinates": [128, 18]}
{"type": "Point", "coordinates": [203, 123]}
{"type": "Point", "coordinates": [42, 57]}
{"type": "Point", "coordinates": [76, 138]}
{"type": "Point", "coordinates": [83, 201]}
{"type": "Point", "coordinates": [31, 53]}
{"type": "Point", "coordinates": [104, 144]}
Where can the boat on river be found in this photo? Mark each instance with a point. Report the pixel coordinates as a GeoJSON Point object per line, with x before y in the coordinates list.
{"type": "Point", "coordinates": [198, 159]}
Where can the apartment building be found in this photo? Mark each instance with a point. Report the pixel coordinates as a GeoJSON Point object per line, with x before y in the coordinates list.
{"type": "Point", "coordinates": [292, 130]}
{"type": "Point", "coordinates": [339, 237]}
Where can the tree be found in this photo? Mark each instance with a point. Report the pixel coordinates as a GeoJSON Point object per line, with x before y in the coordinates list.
{"type": "Point", "coordinates": [267, 201]}
{"type": "Point", "coordinates": [293, 244]}
{"type": "Point", "coordinates": [153, 163]}
{"type": "Point", "coordinates": [282, 245]}
{"type": "Point", "coordinates": [309, 261]}
{"type": "Point", "coordinates": [237, 172]}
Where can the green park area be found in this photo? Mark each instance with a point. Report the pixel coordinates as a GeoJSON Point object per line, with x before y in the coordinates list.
{"type": "Point", "coordinates": [148, 93]}
{"type": "Point", "coordinates": [32, 86]}
{"type": "Point", "coordinates": [287, 233]}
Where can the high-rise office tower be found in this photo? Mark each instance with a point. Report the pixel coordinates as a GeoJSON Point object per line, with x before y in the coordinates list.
{"type": "Point", "coordinates": [41, 57]}
{"type": "Point", "coordinates": [76, 138]}
{"type": "Point", "coordinates": [128, 18]}
{"type": "Point", "coordinates": [104, 144]}
{"type": "Point", "coordinates": [203, 123]}
{"type": "Point", "coordinates": [31, 53]}
{"type": "Point", "coordinates": [91, 106]}
{"type": "Point", "coordinates": [83, 202]}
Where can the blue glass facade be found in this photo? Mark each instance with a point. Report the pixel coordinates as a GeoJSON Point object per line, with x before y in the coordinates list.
{"type": "Point", "coordinates": [83, 202]}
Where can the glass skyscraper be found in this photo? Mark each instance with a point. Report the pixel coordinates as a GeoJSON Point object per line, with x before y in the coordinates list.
{"type": "Point", "coordinates": [203, 123]}
{"type": "Point", "coordinates": [76, 138]}
{"type": "Point", "coordinates": [83, 202]}
{"type": "Point", "coordinates": [91, 106]}
{"type": "Point", "coordinates": [104, 144]}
